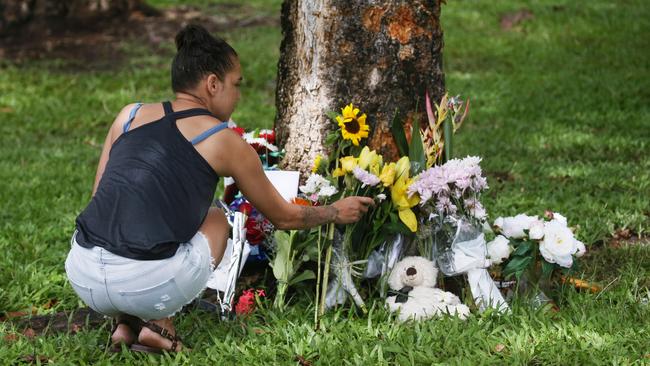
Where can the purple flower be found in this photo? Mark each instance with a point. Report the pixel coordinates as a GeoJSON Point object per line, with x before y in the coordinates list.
{"type": "Point", "coordinates": [444, 205]}
{"type": "Point", "coordinates": [455, 177]}
{"type": "Point", "coordinates": [479, 183]}
{"type": "Point", "coordinates": [429, 183]}
{"type": "Point", "coordinates": [475, 208]}
{"type": "Point", "coordinates": [366, 178]}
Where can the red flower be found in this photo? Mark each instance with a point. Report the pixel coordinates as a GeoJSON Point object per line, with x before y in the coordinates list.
{"type": "Point", "coordinates": [246, 208]}
{"type": "Point", "coordinates": [254, 232]}
{"type": "Point", "coordinates": [239, 130]}
{"type": "Point", "coordinates": [246, 303]}
{"type": "Point", "coordinates": [269, 137]}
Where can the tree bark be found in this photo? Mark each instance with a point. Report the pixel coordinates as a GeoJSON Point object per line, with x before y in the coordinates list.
{"type": "Point", "coordinates": [14, 13]}
{"type": "Point", "coordinates": [380, 55]}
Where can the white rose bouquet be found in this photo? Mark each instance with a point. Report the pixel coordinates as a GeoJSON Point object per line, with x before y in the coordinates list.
{"type": "Point", "coordinates": [523, 241]}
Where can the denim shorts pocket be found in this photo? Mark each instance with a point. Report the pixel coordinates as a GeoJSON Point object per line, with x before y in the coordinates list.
{"type": "Point", "coordinates": [85, 293]}
{"type": "Point", "coordinates": [155, 302]}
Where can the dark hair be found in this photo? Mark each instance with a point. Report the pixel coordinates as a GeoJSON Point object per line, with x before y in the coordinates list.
{"type": "Point", "coordinates": [198, 54]}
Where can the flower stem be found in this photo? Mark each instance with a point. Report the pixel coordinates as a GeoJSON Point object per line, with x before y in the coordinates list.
{"type": "Point", "coordinates": [278, 303]}
{"type": "Point", "coordinates": [318, 279]}
{"type": "Point", "coordinates": [326, 273]}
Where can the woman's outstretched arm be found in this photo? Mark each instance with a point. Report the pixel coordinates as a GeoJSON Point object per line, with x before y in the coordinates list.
{"type": "Point", "coordinates": [243, 164]}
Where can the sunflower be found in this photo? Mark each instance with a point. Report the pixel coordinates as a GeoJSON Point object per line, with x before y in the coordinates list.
{"type": "Point", "coordinates": [353, 126]}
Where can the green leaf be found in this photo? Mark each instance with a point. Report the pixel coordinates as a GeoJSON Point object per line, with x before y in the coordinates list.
{"type": "Point", "coordinates": [524, 248]}
{"type": "Point", "coordinates": [416, 150]}
{"type": "Point", "coordinates": [331, 138]}
{"type": "Point", "coordinates": [304, 276]}
{"type": "Point", "coordinates": [397, 129]}
{"type": "Point", "coordinates": [547, 269]}
{"type": "Point", "coordinates": [281, 263]}
{"type": "Point", "coordinates": [332, 115]}
{"type": "Point", "coordinates": [516, 265]}
{"type": "Point", "coordinates": [398, 227]}
{"type": "Point", "coordinates": [448, 132]}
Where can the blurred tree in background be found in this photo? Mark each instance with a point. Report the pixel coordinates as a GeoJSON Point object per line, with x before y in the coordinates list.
{"type": "Point", "coordinates": [28, 15]}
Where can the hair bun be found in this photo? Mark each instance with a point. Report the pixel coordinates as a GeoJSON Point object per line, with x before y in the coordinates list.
{"type": "Point", "coordinates": [192, 35]}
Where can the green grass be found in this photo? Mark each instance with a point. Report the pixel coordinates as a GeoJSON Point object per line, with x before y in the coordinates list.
{"type": "Point", "coordinates": [559, 107]}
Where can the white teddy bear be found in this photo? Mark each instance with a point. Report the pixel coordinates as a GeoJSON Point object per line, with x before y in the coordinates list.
{"type": "Point", "coordinates": [414, 278]}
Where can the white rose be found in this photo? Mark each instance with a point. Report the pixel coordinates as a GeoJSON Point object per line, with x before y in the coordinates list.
{"type": "Point", "coordinates": [499, 222]}
{"type": "Point", "coordinates": [478, 211]}
{"type": "Point", "coordinates": [513, 227]}
{"type": "Point", "coordinates": [536, 231]}
{"type": "Point", "coordinates": [327, 191]}
{"type": "Point", "coordinates": [499, 249]}
{"type": "Point", "coordinates": [312, 185]}
{"type": "Point", "coordinates": [560, 218]}
{"type": "Point", "coordinates": [581, 250]}
{"type": "Point", "coordinates": [558, 244]}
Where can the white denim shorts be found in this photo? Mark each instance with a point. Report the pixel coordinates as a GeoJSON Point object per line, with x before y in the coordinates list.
{"type": "Point", "coordinates": [148, 289]}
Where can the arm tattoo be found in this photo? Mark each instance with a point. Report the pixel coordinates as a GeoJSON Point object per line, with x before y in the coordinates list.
{"type": "Point", "coordinates": [314, 216]}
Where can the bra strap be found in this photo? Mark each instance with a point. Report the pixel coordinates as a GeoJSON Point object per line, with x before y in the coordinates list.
{"type": "Point", "coordinates": [209, 132]}
{"type": "Point", "coordinates": [134, 110]}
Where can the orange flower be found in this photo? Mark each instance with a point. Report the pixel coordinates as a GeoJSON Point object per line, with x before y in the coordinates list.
{"type": "Point", "coordinates": [300, 201]}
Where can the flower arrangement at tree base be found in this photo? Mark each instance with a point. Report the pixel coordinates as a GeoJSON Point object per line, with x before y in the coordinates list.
{"type": "Point", "coordinates": [535, 251]}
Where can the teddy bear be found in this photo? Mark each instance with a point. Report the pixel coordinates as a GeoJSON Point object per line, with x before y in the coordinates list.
{"type": "Point", "coordinates": [413, 281]}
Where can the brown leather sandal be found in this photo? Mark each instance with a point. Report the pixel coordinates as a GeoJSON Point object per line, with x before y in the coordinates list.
{"type": "Point", "coordinates": [137, 347]}
{"type": "Point", "coordinates": [134, 324]}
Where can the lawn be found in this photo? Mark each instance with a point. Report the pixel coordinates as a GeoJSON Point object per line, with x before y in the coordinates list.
{"type": "Point", "coordinates": [560, 115]}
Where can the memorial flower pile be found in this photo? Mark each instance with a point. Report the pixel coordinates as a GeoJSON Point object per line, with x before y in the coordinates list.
{"type": "Point", "coordinates": [427, 197]}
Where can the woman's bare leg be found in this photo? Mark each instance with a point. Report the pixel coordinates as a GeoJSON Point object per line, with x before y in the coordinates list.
{"type": "Point", "coordinates": [216, 229]}
{"type": "Point", "coordinates": [123, 334]}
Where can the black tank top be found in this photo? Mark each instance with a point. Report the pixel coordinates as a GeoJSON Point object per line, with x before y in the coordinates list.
{"type": "Point", "coordinates": [155, 192]}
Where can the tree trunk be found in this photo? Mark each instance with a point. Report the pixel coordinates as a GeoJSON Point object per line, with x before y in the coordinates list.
{"type": "Point", "coordinates": [14, 13]}
{"type": "Point", "coordinates": [380, 55]}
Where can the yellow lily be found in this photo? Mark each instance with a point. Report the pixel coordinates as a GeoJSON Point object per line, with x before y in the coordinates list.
{"type": "Point", "coordinates": [338, 172]}
{"type": "Point", "coordinates": [376, 164]}
{"type": "Point", "coordinates": [399, 195]}
{"type": "Point", "coordinates": [387, 175]}
{"type": "Point", "coordinates": [365, 157]}
{"type": "Point", "coordinates": [402, 167]}
{"type": "Point", "coordinates": [348, 163]}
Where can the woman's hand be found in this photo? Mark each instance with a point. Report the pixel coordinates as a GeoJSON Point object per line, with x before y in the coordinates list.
{"type": "Point", "coordinates": [351, 209]}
